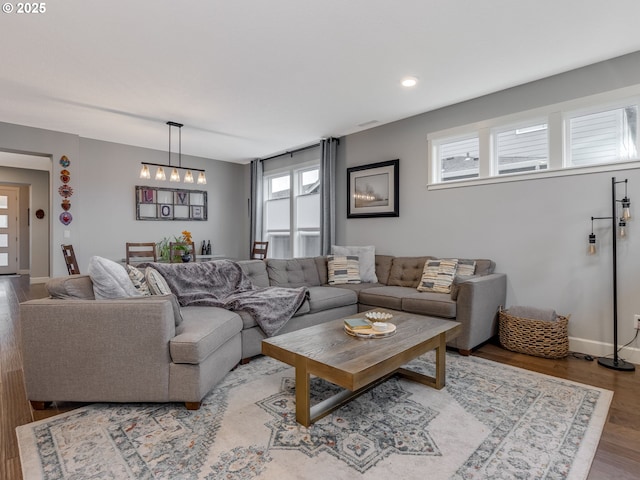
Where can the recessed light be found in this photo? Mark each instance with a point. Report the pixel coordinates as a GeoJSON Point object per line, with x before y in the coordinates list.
{"type": "Point", "coordinates": [409, 81]}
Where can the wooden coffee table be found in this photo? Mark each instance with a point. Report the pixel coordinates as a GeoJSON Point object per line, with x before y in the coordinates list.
{"type": "Point", "coordinates": [358, 364]}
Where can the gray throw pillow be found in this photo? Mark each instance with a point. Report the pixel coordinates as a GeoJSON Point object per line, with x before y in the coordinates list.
{"type": "Point", "coordinates": [110, 279]}
{"type": "Point", "coordinates": [367, 258]}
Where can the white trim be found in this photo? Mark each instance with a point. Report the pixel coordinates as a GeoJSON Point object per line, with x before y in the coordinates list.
{"type": "Point", "coordinates": [34, 280]}
{"type": "Point", "coordinates": [601, 349]}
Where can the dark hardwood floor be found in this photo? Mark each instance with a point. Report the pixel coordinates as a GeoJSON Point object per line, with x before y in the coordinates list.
{"type": "Point", "coordinates": [617, 457]}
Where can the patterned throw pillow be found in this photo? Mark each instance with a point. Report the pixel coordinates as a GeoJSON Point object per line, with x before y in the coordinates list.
{"type": "Point", "coordinates": [437, 275]}
{"type": "Point", "coordinates": [343, 269]}
{"type": "Point", "coordinates": [139, 281]}
{"type": "Point", "coordinates": [466, 267]}
{"type": "Point", "coordinates": [156, 282]}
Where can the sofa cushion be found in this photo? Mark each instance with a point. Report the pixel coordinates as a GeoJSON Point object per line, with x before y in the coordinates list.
{"type": "Point", "coordinates": [110, 279]}
{"type": "Point", "coordinates": [256, 270]}
{"type": "Point", "coordinates": [293, 272]}
{"type": "Point", "coordinates": [430, 303]}
{"type": "Point", "coordinates": [466, 267]}
{"type": "Point", "coordinates": [385, 297]}
{"type": "Point", "coordinates": [203, 331]}
{"type": "Point", "coordinates": [366, 256]}
{"type": "Point", "coordinates": [437, 275]}
{"type": "Point", "coordinates": [325, 298]}
{"type": "Point", "coordinates": [74, 286]}
{"type": "Point", "coordinates": [321, 265]}
{"type": "Point", "coordinates": [383, 267]}
{"type": "Point", "coordinates": [343, 269]}
{"type": "Point", "coordinates": [484, 266]}
{"type": "Point", "coordinates": [406, 271]}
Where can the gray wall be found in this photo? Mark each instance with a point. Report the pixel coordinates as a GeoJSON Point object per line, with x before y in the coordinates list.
{"type": "Point", "coordinates": [536, 230]}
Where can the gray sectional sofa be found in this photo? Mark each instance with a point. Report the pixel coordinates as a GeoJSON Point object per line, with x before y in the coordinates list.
{"type": "Point", "coordinates": [148, 349]}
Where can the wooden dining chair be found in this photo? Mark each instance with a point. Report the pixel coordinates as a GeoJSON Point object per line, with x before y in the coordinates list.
{"type": "Point", "coordinates": [70, 260]}
{"type": "Point", "coordinates": [141, 252]}
{"type": "Point", "coordinates": [176, 250]}
{"type": "Point", "coordinates": [259, 251]}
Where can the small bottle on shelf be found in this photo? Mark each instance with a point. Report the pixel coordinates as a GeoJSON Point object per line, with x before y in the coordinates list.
{"type": "Point", "coordinates": [203, 249]}
{"type": "Point", "coordinates": [208, 247]}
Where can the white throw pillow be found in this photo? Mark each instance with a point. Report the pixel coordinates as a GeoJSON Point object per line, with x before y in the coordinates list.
{"type": "Point", "coordinates": [110, 279]}
{"type": "Point", "coordinates": [367, 258]}
{"type": "Point", "coordinates": [156, 282]}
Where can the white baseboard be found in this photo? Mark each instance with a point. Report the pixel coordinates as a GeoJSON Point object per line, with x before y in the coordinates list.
{"type": "Point", "coordinates": [24, 272]}
{"type": "Point", "coordinates": [600, 349]}
{"type": "Point", "coordinates": [33, 280]}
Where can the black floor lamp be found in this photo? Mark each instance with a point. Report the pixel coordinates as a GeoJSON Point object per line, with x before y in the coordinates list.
{"type": "Point", "coordinates": [616, 362]}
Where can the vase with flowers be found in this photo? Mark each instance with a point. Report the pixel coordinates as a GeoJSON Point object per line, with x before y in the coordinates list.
{"type": "Point", "coordinates": [184, 240]}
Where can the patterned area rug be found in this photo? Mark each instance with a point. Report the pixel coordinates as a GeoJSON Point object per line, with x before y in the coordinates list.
{"type": "Point", "coordinates": [490, 421]}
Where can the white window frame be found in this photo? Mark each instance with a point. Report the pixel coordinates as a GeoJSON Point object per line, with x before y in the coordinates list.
{"type": "Point", "coordinates": [295, 188]}
{"type": "Point", "coordinates": [555, 116]}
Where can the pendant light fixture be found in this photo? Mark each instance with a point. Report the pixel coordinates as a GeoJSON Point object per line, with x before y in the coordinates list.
{"type": "Point", "coordinates": [175, 175]}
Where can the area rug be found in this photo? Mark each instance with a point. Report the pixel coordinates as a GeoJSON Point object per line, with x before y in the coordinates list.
{"type": "Point", "coordinates": [490, 421]}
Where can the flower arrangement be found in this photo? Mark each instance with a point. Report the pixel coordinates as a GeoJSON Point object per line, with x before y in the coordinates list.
{"type": "Point", "coordinates": [163, 245]}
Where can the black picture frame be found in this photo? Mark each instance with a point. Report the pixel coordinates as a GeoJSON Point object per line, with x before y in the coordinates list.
{"type": "Point", "coordinates": [372, 190]}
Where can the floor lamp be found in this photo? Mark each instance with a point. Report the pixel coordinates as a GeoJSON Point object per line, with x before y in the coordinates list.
{"type": "Point", "coordinates": [615, 363]}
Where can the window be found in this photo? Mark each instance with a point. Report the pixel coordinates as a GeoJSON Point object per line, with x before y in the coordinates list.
{"type": "Point", "coordinates": [588, 134]}
{"type": "Point", "coordinates": [292, 211]}
{"type": "Point", "coordinates": [459, 159]}
{"type": "Point", "coordinates": [608, 136]}
{"type": "Point", "coordinates": [522, 149]}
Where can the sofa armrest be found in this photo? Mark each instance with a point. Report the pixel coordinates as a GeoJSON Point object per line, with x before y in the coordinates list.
{"type": "Point", "coordinates": [479, 300]}
{"type": "Point", "coordinates": [96, 350]}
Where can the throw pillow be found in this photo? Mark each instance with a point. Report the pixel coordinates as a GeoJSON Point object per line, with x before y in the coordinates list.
{"type": "Point", "coordinates": [110, 279]}
{"type": "Point", "coordinates": [367, 258]}
{"type": "Point", "coordinates": [343, 269]}
{"type": "Point", "coordinates": [437, 275]}
{"type": "Point", "coordinates": [137, 278]}
{"type": "Point", "coordinates": [465, 267]}
{"type": "Point", "coordinates": [156, 282]}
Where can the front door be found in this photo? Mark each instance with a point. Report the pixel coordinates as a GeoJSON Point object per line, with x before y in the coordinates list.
{"type": "Point", "coordinates": [8, 230]}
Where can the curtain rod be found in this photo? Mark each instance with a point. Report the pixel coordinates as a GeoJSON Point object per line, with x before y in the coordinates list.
{"type": "Point", "coordinates": [301, 149]}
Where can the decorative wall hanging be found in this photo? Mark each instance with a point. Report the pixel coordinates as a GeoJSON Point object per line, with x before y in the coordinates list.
{"type": "Point", "coordinates": [40, 213]}
{"type": "Point", "coordinates": [65, 218]}
{"type": "Point", "coordinates": [372, 190]}
{"type": "Point", "coordinates": [154, 203]}
{"type": "Point", "coordinates": [65, 190]}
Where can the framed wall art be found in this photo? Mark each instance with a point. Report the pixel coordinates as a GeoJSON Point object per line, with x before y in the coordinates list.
{"type": "Point", "coordinates": [372, 190]}
{"type": "Point", "coordinates": [154, 203]}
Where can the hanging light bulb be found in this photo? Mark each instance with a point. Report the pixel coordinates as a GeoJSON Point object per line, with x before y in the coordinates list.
{"type": "Point", "coordinates": [160, 174]}
{"type": "Point", "coordinates": [145, 173]}
{"type": "Point", "coordinates": [592, 244]}
{"type": "Point", "coordinates": [622, 228]}
{"type": "Point", "coordinates": [188, 177]}
{"type": "Point", "coordinates": [626, 212]}
{"type": "Point", "coordinates": [175, 176]}
{"type": "Point", "coordinates": [202, 180]}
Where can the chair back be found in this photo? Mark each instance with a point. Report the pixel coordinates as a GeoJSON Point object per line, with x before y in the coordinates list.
{"type": "Point", "coordinates": [70, 260]}
{"type": "Point", "coordinates": [140, 252]}
{"type": "Point", "coordinates": [177, 249]}
{"type": "Point", "coordinates": [259, 251]}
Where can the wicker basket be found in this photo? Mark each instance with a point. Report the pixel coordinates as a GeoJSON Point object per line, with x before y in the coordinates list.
{"type": "Point", "coordinates": [534, 337]}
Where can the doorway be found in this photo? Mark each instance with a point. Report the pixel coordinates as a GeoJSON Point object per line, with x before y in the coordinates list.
{"type": "Point", "coordinates": [8, 230]}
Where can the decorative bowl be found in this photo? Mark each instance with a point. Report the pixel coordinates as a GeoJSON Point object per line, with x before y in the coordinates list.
{"type": "Point", "coordinates": [378, 316]}
{"type": "Point", "coordinates": [380, 326]}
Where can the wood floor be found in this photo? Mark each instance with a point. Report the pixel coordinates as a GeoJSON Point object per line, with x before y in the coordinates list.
{"type": "Point", "coordinates": [618, 455]}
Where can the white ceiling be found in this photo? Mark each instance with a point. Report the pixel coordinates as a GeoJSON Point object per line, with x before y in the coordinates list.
{"type": "Point", "coordinates": [250, 78]}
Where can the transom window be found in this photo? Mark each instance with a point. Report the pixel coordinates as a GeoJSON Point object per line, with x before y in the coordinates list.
{"type": "Point", "coordinates": [559, 139]}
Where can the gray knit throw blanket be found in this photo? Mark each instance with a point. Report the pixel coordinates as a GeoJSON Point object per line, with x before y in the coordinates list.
{"type": "Point", "coordinates": [222, 283]}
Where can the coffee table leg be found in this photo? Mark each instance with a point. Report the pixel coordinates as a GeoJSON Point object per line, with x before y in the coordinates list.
{"type": "Point", "coordinates": [303, 402]}
{"type": "Point", "coordinates": [438, 381]}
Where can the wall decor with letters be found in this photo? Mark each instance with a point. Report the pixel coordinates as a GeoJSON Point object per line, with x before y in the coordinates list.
{"type": "Point", "coordinates": [153, 203]}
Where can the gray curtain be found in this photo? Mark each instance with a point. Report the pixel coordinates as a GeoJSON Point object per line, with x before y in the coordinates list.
{"type": "Point", "coordinates": [328, 152]}
{"type": "Point", "coordinates": [256, 202]}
